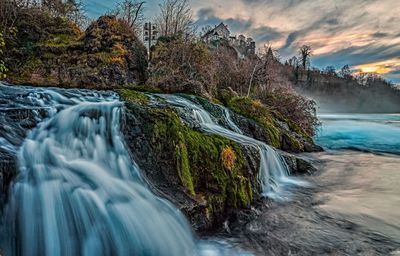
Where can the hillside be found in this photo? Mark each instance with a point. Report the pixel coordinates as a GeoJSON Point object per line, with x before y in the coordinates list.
{"type": "Point", "coordinates": [52, 51]}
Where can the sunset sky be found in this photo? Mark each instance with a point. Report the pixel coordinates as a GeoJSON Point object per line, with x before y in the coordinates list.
{"type": "Point", "coordinates": [362, 33]}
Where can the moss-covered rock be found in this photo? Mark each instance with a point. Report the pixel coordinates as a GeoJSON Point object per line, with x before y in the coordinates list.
{"type": "Point", "coordinates": [48, 51]}
{"type": "Point", "coordinates": [207, 175]}
{"type": "Point", "coordinates": [276, 130]}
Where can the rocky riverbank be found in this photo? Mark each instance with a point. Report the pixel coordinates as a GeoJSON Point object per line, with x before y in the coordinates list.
{"type": "Point", "coordinates": [212, 179]}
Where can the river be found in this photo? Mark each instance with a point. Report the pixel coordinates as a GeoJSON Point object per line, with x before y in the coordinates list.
{"type": "Point", "coordinates": [76, 182]}
{"type": "Point", "coordinates": [361, 170]}
{"type": "Point", "coordinates": [352, 206]}
{"type": "Point", "coordinates": [77, 190]}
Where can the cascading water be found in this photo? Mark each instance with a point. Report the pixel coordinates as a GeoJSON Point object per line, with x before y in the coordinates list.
{"type": "Point", "coordinates": [273, 175]}
{"type": "Point", "coordinates": [78, 192]}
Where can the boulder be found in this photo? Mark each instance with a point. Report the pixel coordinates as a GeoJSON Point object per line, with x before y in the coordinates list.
{"type": "Point", "coordinates": [298, 165]}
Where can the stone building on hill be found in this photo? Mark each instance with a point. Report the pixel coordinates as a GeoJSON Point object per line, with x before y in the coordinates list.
{"type": "Point", "coordinates": [244, 46]}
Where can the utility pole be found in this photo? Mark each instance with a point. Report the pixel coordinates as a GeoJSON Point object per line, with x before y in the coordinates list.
{"type": "Point", "coordinates": [150, 35]}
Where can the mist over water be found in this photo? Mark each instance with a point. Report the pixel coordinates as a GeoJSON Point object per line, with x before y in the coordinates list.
{"type": "Point", "coordinates": [78, 192]}
{"type": "Point", "coordinates": [361, 170]}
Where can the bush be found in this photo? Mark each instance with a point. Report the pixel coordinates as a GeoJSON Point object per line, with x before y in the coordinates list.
{"type": "Point", "coordinates": [298, 111]}
{"type": "Point", "coordinates": [180, 65]}
{"type": "Point", "coordinates": [3, 69]}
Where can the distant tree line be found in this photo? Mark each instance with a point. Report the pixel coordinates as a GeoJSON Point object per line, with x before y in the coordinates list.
{"type": "Point", "coordinates": [349, 90]}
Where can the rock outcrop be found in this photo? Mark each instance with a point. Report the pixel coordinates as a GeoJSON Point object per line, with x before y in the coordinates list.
{"type": "Point", "coordinates": [212, 179]}
{"type": "Point", "coordinates": [51, 51]}
{"type": "Point", "coordinates": [207, 176]}
{"type": "Point", "coordinates": [258, 122]}
{"type": "Point", "coordinates": [15, 124]}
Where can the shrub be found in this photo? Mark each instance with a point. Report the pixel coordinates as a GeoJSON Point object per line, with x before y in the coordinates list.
{"type": "Point", "coordinates": [3, 69]}
{"type": "Point", "coordinates": [180, 65]}
{"type": "Point", "coordinates": [228, 158]}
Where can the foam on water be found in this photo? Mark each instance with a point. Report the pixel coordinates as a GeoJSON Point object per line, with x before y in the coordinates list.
{"type": "Point", "coordinates": [78, 192]}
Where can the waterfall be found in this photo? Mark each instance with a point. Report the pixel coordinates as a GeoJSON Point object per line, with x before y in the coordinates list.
{"type": "Point", "coordinates": [273, 174]}
{"type": "Point", "coordinates": [79, 193]}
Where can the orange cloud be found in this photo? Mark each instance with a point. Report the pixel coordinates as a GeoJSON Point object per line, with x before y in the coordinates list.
{"type": "Point", "coordinates": [381, 67]}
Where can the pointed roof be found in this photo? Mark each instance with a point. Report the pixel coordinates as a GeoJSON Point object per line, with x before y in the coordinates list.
{"type": "Point", "coordinates": [214, 32]}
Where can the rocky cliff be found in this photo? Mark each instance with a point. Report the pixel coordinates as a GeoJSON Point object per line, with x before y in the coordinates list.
{"type": "Point", "coordinates": [48, 51]}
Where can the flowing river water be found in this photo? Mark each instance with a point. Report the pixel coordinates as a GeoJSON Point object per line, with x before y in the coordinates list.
{"type": "Point", "coordinates": [78, 192]}
{"type": "Point", "coordinates": [353, 204]}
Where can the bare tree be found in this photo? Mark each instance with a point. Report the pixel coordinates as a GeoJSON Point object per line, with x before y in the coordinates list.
{"type": "Point", "coordinates": [3, 68]}
{"type": "Point", "coordinates": [205, 30]}
{"type": "Point", "coordinates": [175, 17]}
{"type": "Point", "coordinates": [132, 12]}
{"type": "Point", "coordinates": [305, 54]}
{"type": "Point", "coordinates": [345, 72]}
{"type": "Point", "coordinates": [8, 14]}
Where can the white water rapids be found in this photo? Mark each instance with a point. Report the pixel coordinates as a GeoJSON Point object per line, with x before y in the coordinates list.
{"type": "Point", "coordinates": [79, 193]}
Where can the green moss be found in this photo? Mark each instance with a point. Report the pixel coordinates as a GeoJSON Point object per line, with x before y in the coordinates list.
{"type": "Point", "coordinates": [295, 144]}
{"type": "Point", "coordinates": [257, 111]}
{"type": "Point", "coordinates": [183, 165]}
{"type": "Point", "coordinates": [133, 96]}
{"type": "Point", "coordinates": [59, 40]}
{"type": "Point", "coordinates": [199, 162]}
{"type": "Point", "coordinates": [146, 88]}
{"type": "Point", "coordinates": [297, 129]}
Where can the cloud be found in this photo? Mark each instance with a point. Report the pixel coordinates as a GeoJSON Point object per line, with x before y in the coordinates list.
{"type": "Point", "coordinates": [264, 34]}
{"type": "Point", "coordinates": [340, 32]}
{"type": "Point", "coordinates": [391, 66]}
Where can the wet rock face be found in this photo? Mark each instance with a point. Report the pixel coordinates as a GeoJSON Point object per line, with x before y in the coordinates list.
{"type": "Point", "coordinates": [16, 122]}
{"type": "Point", "coordinates": [8, 168]}
{"type": "Point", "coordinates": [286, 139]}
{"type": "Point", "coordinates": [298, 165]}
{"type": "Point", "coordinates": [157, 157]}
{"type": "Point", "coordinates": [214, 194]}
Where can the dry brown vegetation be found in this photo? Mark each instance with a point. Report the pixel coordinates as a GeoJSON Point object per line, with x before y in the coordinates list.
{"type": "Point", "coordinates": [180, 64]}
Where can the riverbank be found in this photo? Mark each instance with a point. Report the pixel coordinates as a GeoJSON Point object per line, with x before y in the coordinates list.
{"type": "Point", "coordinates": [351, 208]}
{"type": "Point", "coordinates": [348, 208]}
{"type": "Point", "coordinates": [210, 178]}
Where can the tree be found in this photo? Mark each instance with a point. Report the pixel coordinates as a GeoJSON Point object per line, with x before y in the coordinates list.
{"type": "Point", "coordinates": [131, 11]}
{"type": "Point", "coordinates": [8, 14]}
{"type": "Point", "coordinates": [175, 17]}
{"type": "Point", "coordinates": [205, 30]}
{"type": "Point", "coordinates": [3, 68]}
{"type": "Point", "coordinates": [73, 10]}
{"type": "Point", "coordinates": [179, 65]}
{"type": "Point", "coordinates": [294, 62]}
{"type": "Point", "coordinates": [330, 70]}
{"type": "Point", "coordinates": [305, 54]}
{"type": "Point", "coordinates": [345, 72]}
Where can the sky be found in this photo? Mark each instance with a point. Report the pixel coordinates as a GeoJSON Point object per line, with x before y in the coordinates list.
{"type": "Point", "coordinates": [365, 34]}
